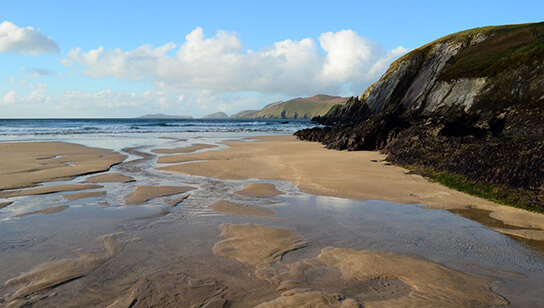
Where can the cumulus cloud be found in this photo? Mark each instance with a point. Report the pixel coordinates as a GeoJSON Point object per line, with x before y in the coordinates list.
{"type": "Point", "coordinates": [25, 40]}
{"type": "Point", "coordinates": [11, 98]}
{"type": "Point", "coordinates": [339, 60]}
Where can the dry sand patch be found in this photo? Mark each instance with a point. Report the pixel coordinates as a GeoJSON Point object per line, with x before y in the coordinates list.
{"type": "Point", "coordinates": [242, 209]}
{"type": "Point", "coordinates": [46, 190]}
{"type": "Point", "coordinates": [111, 177]}
{"type": "Point", "coordinates": [49, 210]}
{"type": "Point", "coordinates": [30, 163]}
{"type": "Point", "coordinates": [83, 195]}
{"type": "Point", "coordinates": [145, 193]}
{"type": "Point", "coordinates": [259, 190]}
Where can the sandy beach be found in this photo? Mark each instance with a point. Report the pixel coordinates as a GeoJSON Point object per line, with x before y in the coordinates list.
{"type": "Point", "coordinates": [267, 222]}
{"type": "Point", "coordinates": [359, 175]}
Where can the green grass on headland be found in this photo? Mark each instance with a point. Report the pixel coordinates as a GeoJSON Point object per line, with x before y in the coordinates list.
{"type": "Point", "coordinates": [496, 193]}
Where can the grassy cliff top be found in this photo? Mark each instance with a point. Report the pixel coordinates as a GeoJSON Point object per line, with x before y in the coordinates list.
{"type": "Point", "coordinates": [298, 108]}
{"type": "Point", "coordinates": [505, 47]}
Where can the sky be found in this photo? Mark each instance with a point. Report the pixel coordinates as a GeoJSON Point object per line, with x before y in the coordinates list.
{"type": "Point", "coordinates": [88, 59]}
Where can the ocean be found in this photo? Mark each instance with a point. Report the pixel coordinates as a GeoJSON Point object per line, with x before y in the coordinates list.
{"type": "Point", "coordinates": [14, 128]}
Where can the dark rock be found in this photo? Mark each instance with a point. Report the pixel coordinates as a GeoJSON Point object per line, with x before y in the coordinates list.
{"type": "Point", "coordinates": [471, 103]}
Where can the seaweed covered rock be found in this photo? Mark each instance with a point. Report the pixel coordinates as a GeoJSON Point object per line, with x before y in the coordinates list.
{"type": "Point", "coordinates": [470, 103]}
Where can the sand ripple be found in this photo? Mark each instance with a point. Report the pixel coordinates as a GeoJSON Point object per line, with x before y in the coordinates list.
{"type": "Point", "coordinates": [49, 161]}
{"type": "Point", "coordinates": [174, 290]}
{"type": "Point", "coordinates": [54, 273]}
{"type": "Point", "coordinates": [404, 281]}
{"type": "Point", "coordinates": [255, 244]}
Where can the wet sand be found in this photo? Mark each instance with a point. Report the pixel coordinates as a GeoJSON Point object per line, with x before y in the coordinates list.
{"type": "Point", "coordinates": [46, 190]}
{"type": "Point", "coordinates": [361, 175]}
{"type": "Point", "coordinates": [431, 284]}
{"type": "Point", "coordinates": [84, 195]}
{"type": "Point", "coordinates": [49, 210]}
{"type": "Point", "coordinates": [26, 164]}
{"type": "Point", "coordinates": [259, 190]}
{"type": "Point", "coordinates": [145, 193]}
{"type": "Point", "coordinates": [110, 177]}
{"type": "Point", "coordinates": [53, 273]}
{"type": "Point", "coordinates": [310, 251]}
{"type": "Point", "coordinates": [241, 209]}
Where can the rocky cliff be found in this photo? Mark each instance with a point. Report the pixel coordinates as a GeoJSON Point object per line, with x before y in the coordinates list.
{"type": "Point", "coordinates": [470, 104]}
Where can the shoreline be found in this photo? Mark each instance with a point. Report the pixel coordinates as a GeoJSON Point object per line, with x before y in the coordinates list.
{"type": "Point", "coordinates": [246, 227]}
{"type": "Point", "coordinates": [359, 175]}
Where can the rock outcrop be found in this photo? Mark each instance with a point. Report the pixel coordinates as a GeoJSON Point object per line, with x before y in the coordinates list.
{"type": "Point", "coordinates": [471, 103]}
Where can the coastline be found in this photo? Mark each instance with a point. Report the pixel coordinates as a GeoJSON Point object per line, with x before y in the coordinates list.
{"type": "Point", "coordinates": [246, 227]}
{"type": "Point", "coordinates": [360, 175]}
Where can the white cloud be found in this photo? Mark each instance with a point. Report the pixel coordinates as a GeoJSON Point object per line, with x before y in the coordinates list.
{"type": "Point", "coordinates": [220, 65]}
{"type": "Point", "coordinates": [9, 98]}
{"type": "Point", "coordinates": [136, 64]}
{"type": "Point", "coordinates": [108, 103]}
{"type": "Point", "coordinates": [25, 40]}
{"type": "Point", "coordinates": [24, 83]}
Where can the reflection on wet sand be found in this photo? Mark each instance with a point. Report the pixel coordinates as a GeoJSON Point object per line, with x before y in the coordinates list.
{"type": "Point", "coordinates": [308, 251]}
{"type": "Point", "coordinates": [428, 283]}
{"type": "Point", "coordinates": [174, 290]}
{"type": "Point", "coordinates": [54, 273]}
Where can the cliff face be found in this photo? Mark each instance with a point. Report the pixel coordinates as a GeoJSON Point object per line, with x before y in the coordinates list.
{"type": "Point", "coordinates": [477, 71]}
{"type": "Point", "coordinates": [469, 104]}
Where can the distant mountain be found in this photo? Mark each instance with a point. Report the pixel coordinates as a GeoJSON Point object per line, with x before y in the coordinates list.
{"type": "Point", "coordinates": [216, 115]}
{"type": "Point", "coordinates": [163, 116]}
{"type": "Point", "coordinates": [298, 108]}
{"type": "Point", "coordinates": [244, 114]}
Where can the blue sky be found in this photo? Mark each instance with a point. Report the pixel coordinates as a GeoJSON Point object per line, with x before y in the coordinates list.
{"type": "Point", "coordinates": [127, 58]}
